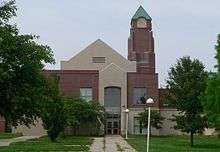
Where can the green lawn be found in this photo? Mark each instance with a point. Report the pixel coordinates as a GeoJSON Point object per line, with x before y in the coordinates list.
{"type": "Point", "coordinates": [44, 144]}
{"type": "Point", "coordinates": [175, 144]}
{"type": "Point", "coordinates": [8, 135]}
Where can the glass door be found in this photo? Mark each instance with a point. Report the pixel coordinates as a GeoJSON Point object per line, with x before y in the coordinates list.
{"type": "Point", "coordinates": [113, 124]}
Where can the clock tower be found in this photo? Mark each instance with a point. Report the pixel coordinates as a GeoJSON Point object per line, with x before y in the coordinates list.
{"type": "Point", "coordinates": [141, 42]}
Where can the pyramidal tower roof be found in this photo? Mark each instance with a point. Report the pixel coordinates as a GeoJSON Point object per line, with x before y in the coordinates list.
{"type": "Point", "coordinates": [141, 13]}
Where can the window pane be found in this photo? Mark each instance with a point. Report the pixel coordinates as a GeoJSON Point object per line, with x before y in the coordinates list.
{"type": "Point", "coordinates": [139, 95]}
{"type": "Point", "coordinates": [136, 122]}
{"type": "Point", "coordinates": [89, 92]}
{"type": "Point", "coordinates": [82, 92]}
{"type": "Point", "coordinates": [136, 126]}
{"type": "Point", "coordinates": [86, 93]}
{"type": "Point", "coordinates": [112, 97]}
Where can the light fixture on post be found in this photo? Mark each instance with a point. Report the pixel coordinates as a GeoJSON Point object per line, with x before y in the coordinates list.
{"type": "Point", "coordinates": [149, 101]}
{"type": "Point", "coordinates": [126, 124]}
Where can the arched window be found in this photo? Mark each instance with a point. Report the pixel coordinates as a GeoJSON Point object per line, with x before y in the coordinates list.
{"type": "Point", "coordinates": [112, 97]}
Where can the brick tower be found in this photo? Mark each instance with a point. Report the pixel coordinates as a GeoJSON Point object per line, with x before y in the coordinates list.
{"type": "Point", "coordinates": [141, 42]}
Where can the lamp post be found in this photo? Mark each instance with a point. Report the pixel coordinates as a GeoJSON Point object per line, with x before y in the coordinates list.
{"type": "Point", "coordinates": [126, 124]}
{"type": "Point", "coordinates": [149, 101]}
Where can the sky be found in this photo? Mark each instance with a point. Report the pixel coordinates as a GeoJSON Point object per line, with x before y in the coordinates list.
{"type": "Point", "coordinates": [181, 27]}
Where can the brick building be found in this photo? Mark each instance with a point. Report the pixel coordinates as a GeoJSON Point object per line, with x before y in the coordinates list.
{"type": "Point", "coordinates": [101, 74]}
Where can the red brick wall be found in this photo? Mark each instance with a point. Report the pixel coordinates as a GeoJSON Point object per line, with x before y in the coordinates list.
{"type": "Point", "coordinates": [70, 81]}
{"type": "Point", "coordinates": [141, 48]}
{"type": "Point", "coordinates": [149, 81]}
{"type": "Point", "coordinates": [2, 124]}
{"type": "Point", "coordinates": [142, 40]}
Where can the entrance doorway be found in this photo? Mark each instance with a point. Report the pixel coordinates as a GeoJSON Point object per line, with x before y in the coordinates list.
{"type": "Point", "coordinates": [112, 103]}
{"type": "Point", "coordinates": [113, 124]}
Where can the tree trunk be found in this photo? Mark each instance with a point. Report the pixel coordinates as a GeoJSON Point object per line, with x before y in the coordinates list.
{"type": "Point", "coordinates": [74, 130]}
{"type": "Point", "coordinates": [191, 139]}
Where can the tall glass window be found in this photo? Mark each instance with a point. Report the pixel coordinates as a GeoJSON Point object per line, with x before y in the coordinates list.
{"type": "Point", "coordinates": [112, 97]}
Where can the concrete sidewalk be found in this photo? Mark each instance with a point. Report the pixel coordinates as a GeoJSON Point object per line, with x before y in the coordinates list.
{"type": "Point", "coordinates": [7, 142]}
{"type": "Point", "coordinates": [111, 144]}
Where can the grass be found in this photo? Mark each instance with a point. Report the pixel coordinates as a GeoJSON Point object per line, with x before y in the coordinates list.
{"type": "Point", "coordinates": [44, 144]}
{"type": "Point", "coordinates": [175, 144]}
{"type": "Point", "coordinates": [8, 135]}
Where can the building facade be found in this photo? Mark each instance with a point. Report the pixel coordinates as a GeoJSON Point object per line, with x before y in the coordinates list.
{"type": "Point", "coordinates": [98, 73]}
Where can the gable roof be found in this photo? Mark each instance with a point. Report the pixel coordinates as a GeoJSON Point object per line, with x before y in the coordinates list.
{"type": "Point", "coordinates": [84, 59]}
{"type": "Point", "coordinates": [95, 44]}
{"type": "Point", "coordinates": [141, 13]}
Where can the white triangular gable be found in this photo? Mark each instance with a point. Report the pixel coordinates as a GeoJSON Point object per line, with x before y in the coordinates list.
{"type": "Point", "coordinates": [83, 60]}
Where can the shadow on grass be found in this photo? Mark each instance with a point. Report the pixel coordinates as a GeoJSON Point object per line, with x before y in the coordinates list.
{"type": "Point", "coordinates": [154, 136]}
{"type": "Point", "coordinates": [207, 146]}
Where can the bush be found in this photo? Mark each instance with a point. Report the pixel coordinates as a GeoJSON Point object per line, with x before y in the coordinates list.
{"type": "Point", "coordinates": [79, 112]}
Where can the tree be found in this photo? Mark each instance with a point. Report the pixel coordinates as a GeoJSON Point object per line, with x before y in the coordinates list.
{"type": "Point", "coordinates": [21, 77]}
{"type": "Point", "coordinates": [79, 112]}
{"type": "Point", "coordinates": [186, 84]}
{"type": "Point", "coordinates": [217, 48]}
{"type": "Point", "coordinates": [155, 121]}
{"type": "Point", "coordinates": [212, 94]}
{"type": "Point", "coordinates": [212, 102]}
{"type": "Point", "coordinates": [7, 11]}
{"type": "Point", "coordinates": [54, 119]}
{"type": "Point", "coordinates": [52, 109]}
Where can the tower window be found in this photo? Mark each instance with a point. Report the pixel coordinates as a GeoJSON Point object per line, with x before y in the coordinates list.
{"type": "Point", "coordinates": [98, 59]}
{"type": "Point", "coordinates": [139, 95]}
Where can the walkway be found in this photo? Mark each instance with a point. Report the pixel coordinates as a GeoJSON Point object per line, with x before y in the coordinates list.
{"type": "Point", "coordinates": [110, 144]}
{"type": "Point", "coordinates": [7, 142]}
